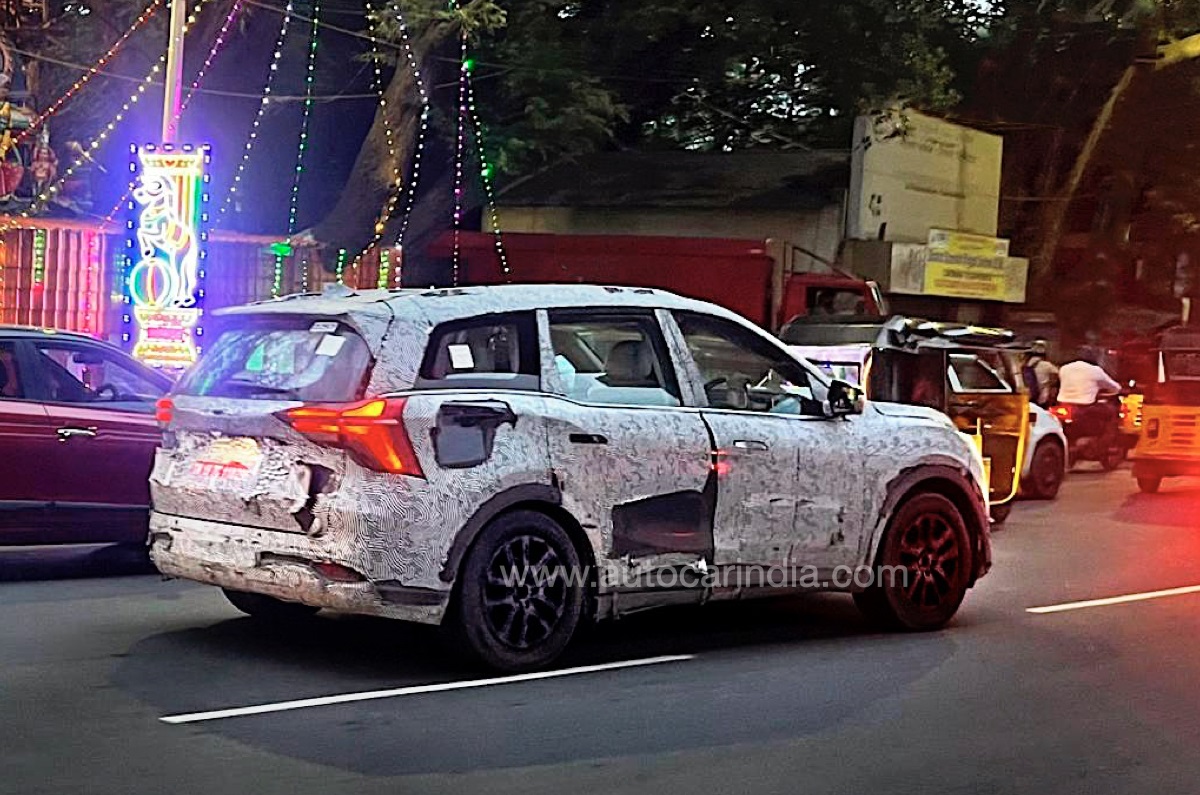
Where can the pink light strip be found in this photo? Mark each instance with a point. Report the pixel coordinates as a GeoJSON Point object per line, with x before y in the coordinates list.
{"type": "Point", "coordinates": [218, 44]}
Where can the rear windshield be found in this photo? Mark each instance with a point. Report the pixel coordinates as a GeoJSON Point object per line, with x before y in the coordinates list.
{"type": "Point", "coordinates": [306, 359]}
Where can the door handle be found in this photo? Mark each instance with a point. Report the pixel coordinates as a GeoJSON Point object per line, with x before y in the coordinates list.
{"type": "Point", "coordinates": [64, 434]}
{"type": "Point", "coordinates": [751, 444]}
{"type": "Point", "coordinates": [588, 438]}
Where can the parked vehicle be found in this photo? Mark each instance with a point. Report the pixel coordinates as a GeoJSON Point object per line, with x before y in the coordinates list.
{"type": "Point", "coordinates": [1169, 445]}
{"type": "Point", "coordinates": [77, 439]}
{"type": "Point", "coordinates": [1088, 439]}
{"type": "Point", "coordinates": [422, 455]}
{"type": "Point", "coordinates": [963, 371]}
{"type": "Point", "coordinates": [762, 280]}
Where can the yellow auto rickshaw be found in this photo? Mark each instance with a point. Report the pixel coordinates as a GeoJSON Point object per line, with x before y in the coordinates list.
{"type": "Point", "coordinates": [1169, 445]}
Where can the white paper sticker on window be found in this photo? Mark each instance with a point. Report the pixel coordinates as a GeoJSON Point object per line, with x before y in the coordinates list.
{"type": "Point", "coordinates": [330, 345]}
{"type": "Point", "coordinates": [461, 358]}
{"type": "Point", "coordinates": [324, 327]}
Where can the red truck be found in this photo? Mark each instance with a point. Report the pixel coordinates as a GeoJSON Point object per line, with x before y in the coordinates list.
{"type": "Point", "coordinates": [755, 278]}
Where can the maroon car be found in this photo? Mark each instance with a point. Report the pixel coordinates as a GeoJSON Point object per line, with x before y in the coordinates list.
{"type": "Point", "coordinates": [77, 439]}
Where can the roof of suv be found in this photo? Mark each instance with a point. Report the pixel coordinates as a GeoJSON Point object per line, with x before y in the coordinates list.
{"type": "Point", "coordinates": [443, 304]}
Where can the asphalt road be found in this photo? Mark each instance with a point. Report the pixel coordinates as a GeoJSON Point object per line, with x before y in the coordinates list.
{"type": "Point", "coordinates": [795, 696]}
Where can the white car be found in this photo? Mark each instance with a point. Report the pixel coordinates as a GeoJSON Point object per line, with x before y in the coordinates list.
{"type": "Point", "coordinates": [512, 461]}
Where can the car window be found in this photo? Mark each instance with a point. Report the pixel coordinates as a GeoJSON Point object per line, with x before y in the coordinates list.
{"type": "Point", "coordinates": [976, 376]}
{"type": "Point", "coordinates": [482, 352]}
{"type": "Point", "coordinates": [743, 371]}
{"type": "Point", "coordinates": [616, 359]}
{"type": "Point", "coordinates": [81, 374]}
{"type": "Point", "coordinates": [282, 358]}
{"type": "Point", "coordinates": [11, 384]}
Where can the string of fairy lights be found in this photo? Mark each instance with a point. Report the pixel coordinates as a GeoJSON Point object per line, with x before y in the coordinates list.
{"type": "Point", "coordinates": [276, 56]}
{"type": "Point", "coordinates": [305, 118]}
{"type": "Point", "coordinates": [470, 135]}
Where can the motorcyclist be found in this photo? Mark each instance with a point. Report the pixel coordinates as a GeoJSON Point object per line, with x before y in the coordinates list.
{"type": "Point", "coordinates": [1080, 384]}
{"type": "Point", "coordinates": [1040, 375]}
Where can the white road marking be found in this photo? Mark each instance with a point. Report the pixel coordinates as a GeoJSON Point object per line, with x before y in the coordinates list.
{"type": "Point", "coordinates": [347, 698]}
{"type": "Point", "coordinates": [1115, 600]}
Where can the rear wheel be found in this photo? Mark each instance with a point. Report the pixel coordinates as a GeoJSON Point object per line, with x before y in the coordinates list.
{"type": "Point", "coordinates": [1000, 513]}
{"type": "Point", "coordinates": [923, 566]}
{"type": "Point", "coordinates": [1113, 457]}
{"type": "Point", "coordinates": [1047, 471]}
{"type": "Point", "coordinates": [521, 595]}
{"type": "Point", "coordinates": [267, 607]}
{"type": "Point", "coordinates": [1149, 484]}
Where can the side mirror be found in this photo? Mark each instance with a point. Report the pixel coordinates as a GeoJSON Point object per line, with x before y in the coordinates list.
{"type": "Point", "coordinates": [844, 399]}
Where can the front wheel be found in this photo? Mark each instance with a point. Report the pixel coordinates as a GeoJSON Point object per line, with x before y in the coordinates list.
{"type": "Point", "coordinates": [923, 567]}
{"type": "Point", "coordinates": [1046, 471]}
{"type": "Point", "coordinates": [521, 593]}
{"type": "Point", "coordinates": [1149, 484]}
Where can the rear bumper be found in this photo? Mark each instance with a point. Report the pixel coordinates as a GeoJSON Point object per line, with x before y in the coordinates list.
{"type": "Point", "coordinates": [1165, 467]}
{"type": "Point", "coordinates": [264, 562]}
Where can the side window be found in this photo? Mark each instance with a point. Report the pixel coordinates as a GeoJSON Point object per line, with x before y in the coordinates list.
{"type": "Point", "coordinates": [613, 359]}
{"type": "Point", "coordinates": [973, 375]}
{"type": "Point", "coordinates": [11, 384]}
{"type": "Point", "coordinates": [80, 374]}
{"type": "Point", "coordinates": [490, 351]}
{"type": "Point", "coordinates": [742, 371]}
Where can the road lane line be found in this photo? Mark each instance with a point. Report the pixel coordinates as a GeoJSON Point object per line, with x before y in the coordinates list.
{"type": "Point", "coordinates": [1114, 600]}
{"type": "Point", "coordinates": [347, 698]}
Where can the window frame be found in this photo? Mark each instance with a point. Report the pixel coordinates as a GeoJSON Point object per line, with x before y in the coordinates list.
{"type": "Point", "coordinates": [673, 384]}
{"type": "Point", "coordinates": [956, 385]}
{"type": "Point", "coordinates": [31, 392]}
{"type": "Point", "coordinates": [529, 375]}
{"type": "Point", "coordinates": [816, 381]}
{"type": "Point", "coordinates": [41, 381]}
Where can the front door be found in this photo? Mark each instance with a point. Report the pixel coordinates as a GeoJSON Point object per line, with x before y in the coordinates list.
{"type": "Point", "coordinates": [26, 447]}
{"type": "Point", "coordinates": [787, 478]}
{"type": "Point", "coordinates": [633, 465]}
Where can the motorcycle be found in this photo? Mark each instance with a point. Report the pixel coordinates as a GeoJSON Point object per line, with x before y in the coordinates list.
{"type": "Point", "coordinates": [1089, 439]}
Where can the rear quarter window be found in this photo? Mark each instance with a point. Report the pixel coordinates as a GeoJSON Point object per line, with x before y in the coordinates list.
{"type": "Point", "coordinates": [307, 359]}
{"type": "Point", "coordinates": [486, 352]}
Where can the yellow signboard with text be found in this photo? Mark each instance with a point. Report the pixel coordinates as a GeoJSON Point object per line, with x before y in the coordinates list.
{"type": "Point", "coordinates": [961, 265]}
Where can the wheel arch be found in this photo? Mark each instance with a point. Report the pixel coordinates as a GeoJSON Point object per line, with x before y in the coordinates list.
{"type": "Point", "coordinates": [954, 482]}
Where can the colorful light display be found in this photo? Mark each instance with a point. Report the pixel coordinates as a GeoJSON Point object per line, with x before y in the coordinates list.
{"type": "Point", "coordinates": [164, 285]}
{"type": "Point", "coordinates": [39, 260]}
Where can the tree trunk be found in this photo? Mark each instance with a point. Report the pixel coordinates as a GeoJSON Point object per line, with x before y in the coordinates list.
{"type": "Point", "coordinates": [351, 222]}
{"type": "Point", "coordinates": [1055, 215]}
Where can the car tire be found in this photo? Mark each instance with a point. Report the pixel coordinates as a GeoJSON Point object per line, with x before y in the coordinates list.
{"type": "Point", "coordinates": [1149, 484]}
{"type": "Point", "coordinates": [1113, 458]}
{"type": "Point", "coordinates": [518, 626]}
{"type": "Point", "coordinates": [927, 542]}
{"type": "Point", "coordinates": [1046, 471]}
{"type": "Point", "coordinates": [261, 606]}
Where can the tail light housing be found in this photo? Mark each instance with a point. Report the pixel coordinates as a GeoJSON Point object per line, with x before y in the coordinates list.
{"type": "Point", "coordinates": [371, 431]}
{"type": "Point", "coordinates": [1064, 413]}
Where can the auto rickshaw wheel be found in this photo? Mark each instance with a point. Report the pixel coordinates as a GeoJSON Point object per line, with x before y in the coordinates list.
{"type": "Point", "coordinates": [1000, 513]}
{"type": "Point", "coordinates": [1149, 484]}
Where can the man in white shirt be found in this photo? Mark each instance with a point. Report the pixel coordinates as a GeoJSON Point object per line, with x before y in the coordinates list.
{"type": "Point", "coordinates": [1081, 383]}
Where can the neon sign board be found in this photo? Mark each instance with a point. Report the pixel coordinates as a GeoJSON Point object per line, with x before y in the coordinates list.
{"type": "Point", "coordinates": [164, 284]}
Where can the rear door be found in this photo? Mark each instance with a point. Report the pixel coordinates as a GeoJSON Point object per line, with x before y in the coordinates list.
{"type": "Point", "coordinates": [27, 443]}
{"type": "Point", "coordinates": [981, 402]}
{"type": "Point", "coordinates": [100, 405]}
{"type": "Point", "coordinates": [633, 464]}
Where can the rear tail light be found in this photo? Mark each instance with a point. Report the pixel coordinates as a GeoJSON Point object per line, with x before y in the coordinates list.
{"type": "Point", "coordinates": [371, 431]}
{"type": "Point", "coordinates": [164, 410]}
{"type": "Point", "coordinates": [1064, 413]}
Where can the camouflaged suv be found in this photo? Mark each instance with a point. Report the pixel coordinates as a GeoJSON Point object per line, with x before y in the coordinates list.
{"type": "Point", "coordinates": [512, 461]}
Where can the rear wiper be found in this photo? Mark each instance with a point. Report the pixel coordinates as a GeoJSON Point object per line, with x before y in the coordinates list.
{"type": "Point", "coordinates": [263, 389]}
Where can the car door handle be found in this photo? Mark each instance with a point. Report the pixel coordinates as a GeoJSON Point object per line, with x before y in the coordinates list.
{"type": "Point", "coordinates": [588, 438]}
{"type": "Point", "coordinates": [751, 444]}
{"type": "Point", "coordinates": [66, 433]}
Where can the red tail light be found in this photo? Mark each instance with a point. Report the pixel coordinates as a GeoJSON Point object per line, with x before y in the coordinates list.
{"type": "Point", "coordinates": [164, 410]}
{"type": "Point", "coordinates": [1064, 413]}
{"type": "Point", "coordinates": [371, 431]}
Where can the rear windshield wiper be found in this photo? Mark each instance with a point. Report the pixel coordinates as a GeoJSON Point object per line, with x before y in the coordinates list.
{"type": "Point", "coordinates": [262, 389]}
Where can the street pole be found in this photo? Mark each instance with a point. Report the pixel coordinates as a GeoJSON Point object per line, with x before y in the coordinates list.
{"type": "Point", "coordinates": [174, 75]}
